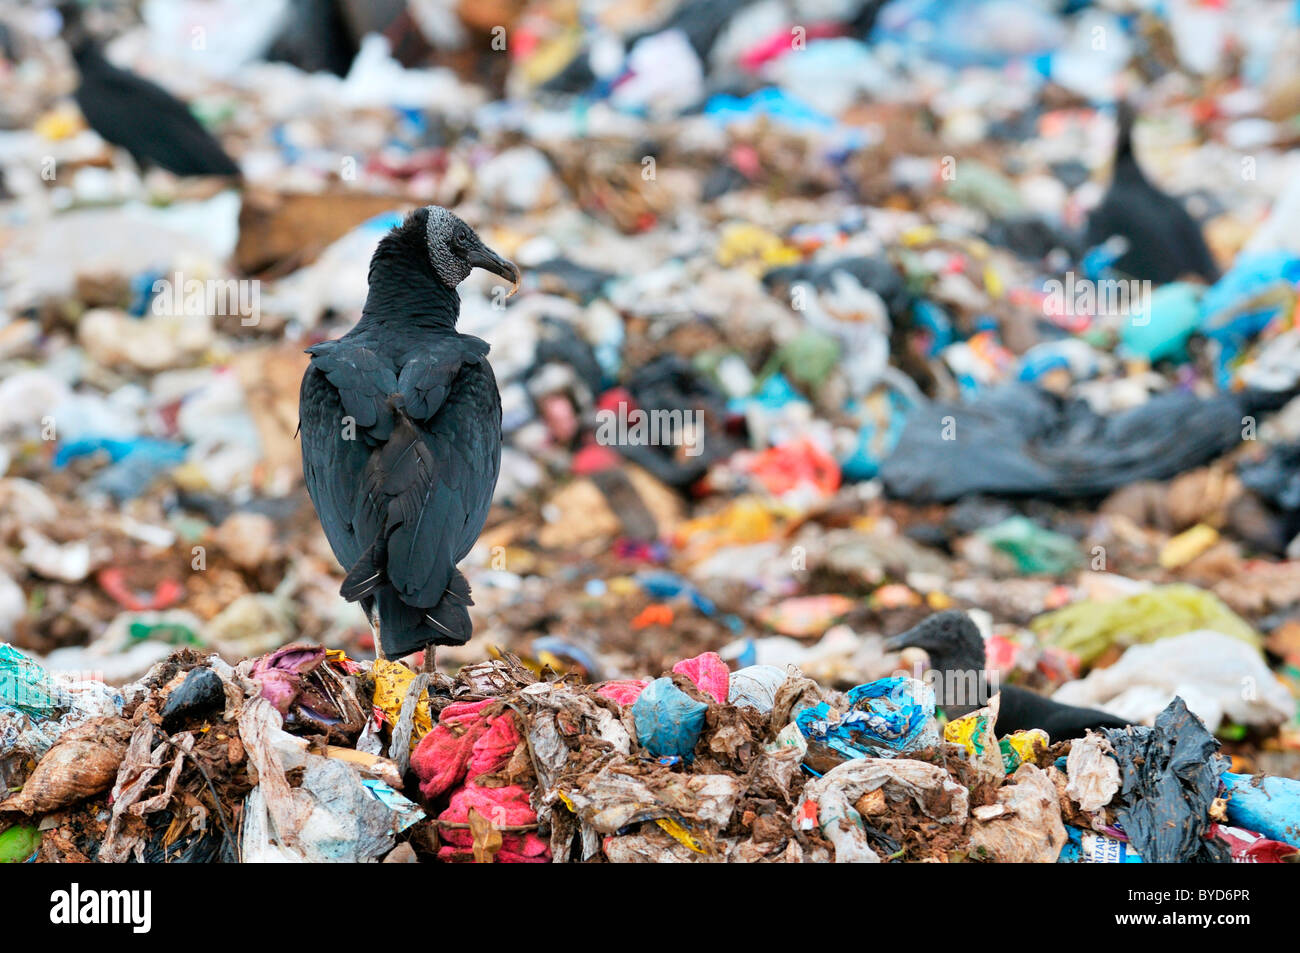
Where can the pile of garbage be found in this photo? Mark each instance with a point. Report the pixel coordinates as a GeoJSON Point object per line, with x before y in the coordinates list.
{"type": "Point", "coordinates": [808, 346]}
{"type": "Point", "coordinates": [307, 755]}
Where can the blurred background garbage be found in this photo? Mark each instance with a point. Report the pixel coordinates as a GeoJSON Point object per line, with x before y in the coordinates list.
{"type": "Point", "coordinates": [828, 321]}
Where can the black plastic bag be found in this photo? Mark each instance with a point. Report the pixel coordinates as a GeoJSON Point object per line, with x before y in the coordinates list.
{"type": "Point", "coordinates": [1169, 776]}
{"type": "Point", "coordinates": [1021, 440]}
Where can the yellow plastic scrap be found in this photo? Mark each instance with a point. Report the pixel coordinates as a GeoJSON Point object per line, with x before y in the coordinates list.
{"type": "Point", "coordinates": [974, 732]}
{"type": "Point", "coordinates": [969, 731]}
{"type": "Point", "coordinates": [552, 56]}
{"type": "Point", "coordinates": [1026, 743]}
{"type": "Point", "coordinates": [993, 282]}
{"type": "Point", "coordinates": [921, 235]}
{"type": "Point", "coordinates": [744, 243]}
{"type": "Point", "coordinates": [681, 834]}
{"type": "Point", "coordinates": [392, 679]}
{"type": "Point", "coordinates": [938, 601]}
{"type": "Point", "coordinates": [1087, 629]}
{"type": "Point", "coordinates": [749, 519]}
{"type": "Point", "coordinates": [60, 123]}
{"type": "Point", "coordinates": [1186, 546]}
{"type": "Point", "coordinates": [623, 585]}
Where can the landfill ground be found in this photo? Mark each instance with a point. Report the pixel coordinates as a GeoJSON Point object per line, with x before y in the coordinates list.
{"type": "Point", "coordinates": [841, 327]}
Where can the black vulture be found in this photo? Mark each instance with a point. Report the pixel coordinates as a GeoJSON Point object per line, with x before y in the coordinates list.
{"type": "Point", "coordinates": [141, 117]}
{"type": "Point", "coordinates": [1162, 241]}
{"type": "Point", "coordinates": [401, 435]}
{"type": "Point", "coordinates": [956, 650]}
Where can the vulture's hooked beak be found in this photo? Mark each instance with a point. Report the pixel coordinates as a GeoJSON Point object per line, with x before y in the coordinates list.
{"type": "Point", "coordinates": [899, 642]}
{"type": "Point", "coordinates": [480, 256]}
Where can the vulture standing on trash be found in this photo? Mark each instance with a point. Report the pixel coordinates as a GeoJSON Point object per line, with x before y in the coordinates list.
{"type": "Point", "coordinates": [141, 117]}
{"type": "Point", "coordinates": [1162, 241]}
{"type": "Point", "coordinates": [401, 435]}
{"type": "Point", "coordinates": [955, 646]}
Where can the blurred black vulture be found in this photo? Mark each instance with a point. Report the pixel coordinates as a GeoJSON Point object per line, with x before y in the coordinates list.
{"type": "Point", "coordinates": [141, 117]}
{"type": "Point", "coordinates": [1162, 241]}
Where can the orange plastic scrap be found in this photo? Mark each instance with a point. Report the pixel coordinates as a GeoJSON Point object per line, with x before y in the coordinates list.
{"type": "Point", "coordinates": [796, 464]}
{"type": "Point", "coordinates": [657, 613]}
{"type": "Point", "coordinates": [166, 594]}
{"type": "Point", "coordinates": [806, 615]}
{"type": "Point", "coordinates": [895, 595]}
{"type": "Point", "coordinates": [749, 519]}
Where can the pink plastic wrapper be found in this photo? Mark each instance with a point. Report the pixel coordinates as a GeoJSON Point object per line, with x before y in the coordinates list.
{"type": "Point", "coordinates": [504, 807]}
{"type": "Point", "coordinates": [709, 673]}
{"type": "Point", "coordinates": [281, 673]}
{"type": "Point", "coordinates": [623, 691]}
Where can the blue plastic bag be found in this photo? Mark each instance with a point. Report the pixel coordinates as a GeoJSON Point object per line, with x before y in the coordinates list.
{"type": "Point", "coordinates": [668, 721]}
{"type": "Point", "coordinates": [1268, 805]}
{"type": "Point", "coordinates": [888, 717]}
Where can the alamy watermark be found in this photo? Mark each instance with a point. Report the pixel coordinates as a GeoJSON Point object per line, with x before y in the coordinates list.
{"type": "Point", "coordinates": [77, 906]}
{"type": "Point", "coordinates": [1104, 297]}
{"type": "Point", "coordinates": [212, 297]}
{"type": "Point", "coordinates": [622, 427]}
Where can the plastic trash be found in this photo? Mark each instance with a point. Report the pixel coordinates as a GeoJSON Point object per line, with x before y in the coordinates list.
{"type": "Point", "coordinates": [1035, 549]}
{"type": "Point", "coordinates": [974, 732]}
{"type": "Point", "coordinates": [26, 686]}
{"type": "Point", "coordinates": [19, 843]}
{"type": "Point", "coordinates": [623, 692]}
{"type": "Point", "coordinates": [755, 686]}
{"type": "Point", "coordinates": [392, 684]}
{"type": "Point", "coordinates": [1091, 847]}
{"type": "Point", "coordinates": [1250, 848]}
{"type": "Point", "coordinates": [885, 719]}
{"type": "Point", "coordinates": [202, 693]}
{"type": "Point", "coordinates": [1219, 677]}
{"type": "Point", "coordinates": [708, 673]}
{"type": "Point", "coordinates": [1018, 439]}
{"type": "Point", "coordinates": [1024, 825]}
{"type": "Point", "coordinates": [923, 791]}
{"type": "Point", "coordinates": [668, 721]}
{"type": "Point", "coordinates": [332, 816]}
{"type": "Point", "coordinates": [1162, 329]}
{"type": "Point", "coordinates": [1267, 805]}
{"type": "Point", "coordinates": [1169, 777]}
{"type": "Point", "coordinates": [1093, 772]}
{"type": "Point", "coordinates": [1088, 628]}
{"type": "Point", "coordinates": [620, 795]}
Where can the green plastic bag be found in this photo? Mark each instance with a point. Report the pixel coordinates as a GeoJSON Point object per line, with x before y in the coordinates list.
{"type": "Point", "coordinates": [1089, 628]}
{"type": "Point", "coordinates": [18, 844]}
{"type": "Point", "coordinates": [27, 686]}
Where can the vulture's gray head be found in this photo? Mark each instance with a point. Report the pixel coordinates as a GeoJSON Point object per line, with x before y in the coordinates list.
{"type": "Point", "coordinates": [455, 250]}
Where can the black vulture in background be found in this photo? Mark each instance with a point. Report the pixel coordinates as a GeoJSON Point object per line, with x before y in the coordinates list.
{"type": "Point", "coordinates": [1163, 242]}
{"type": "Point", "coordinates": [956, 649]}
{"type": "Point", "coordinates": [316, 37]}
{"type": "Point", "coordinates": [141, 117]}
{"type": "Point", "coordinates": [401, 435]}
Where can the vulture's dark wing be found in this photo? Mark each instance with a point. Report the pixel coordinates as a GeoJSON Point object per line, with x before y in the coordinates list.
{"type": "Point", "coordinates": [343, 416]}
{"type": "Point", "coordinates": [149, 122]}
{"type": "Point", "coordinates": [425, 484]}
